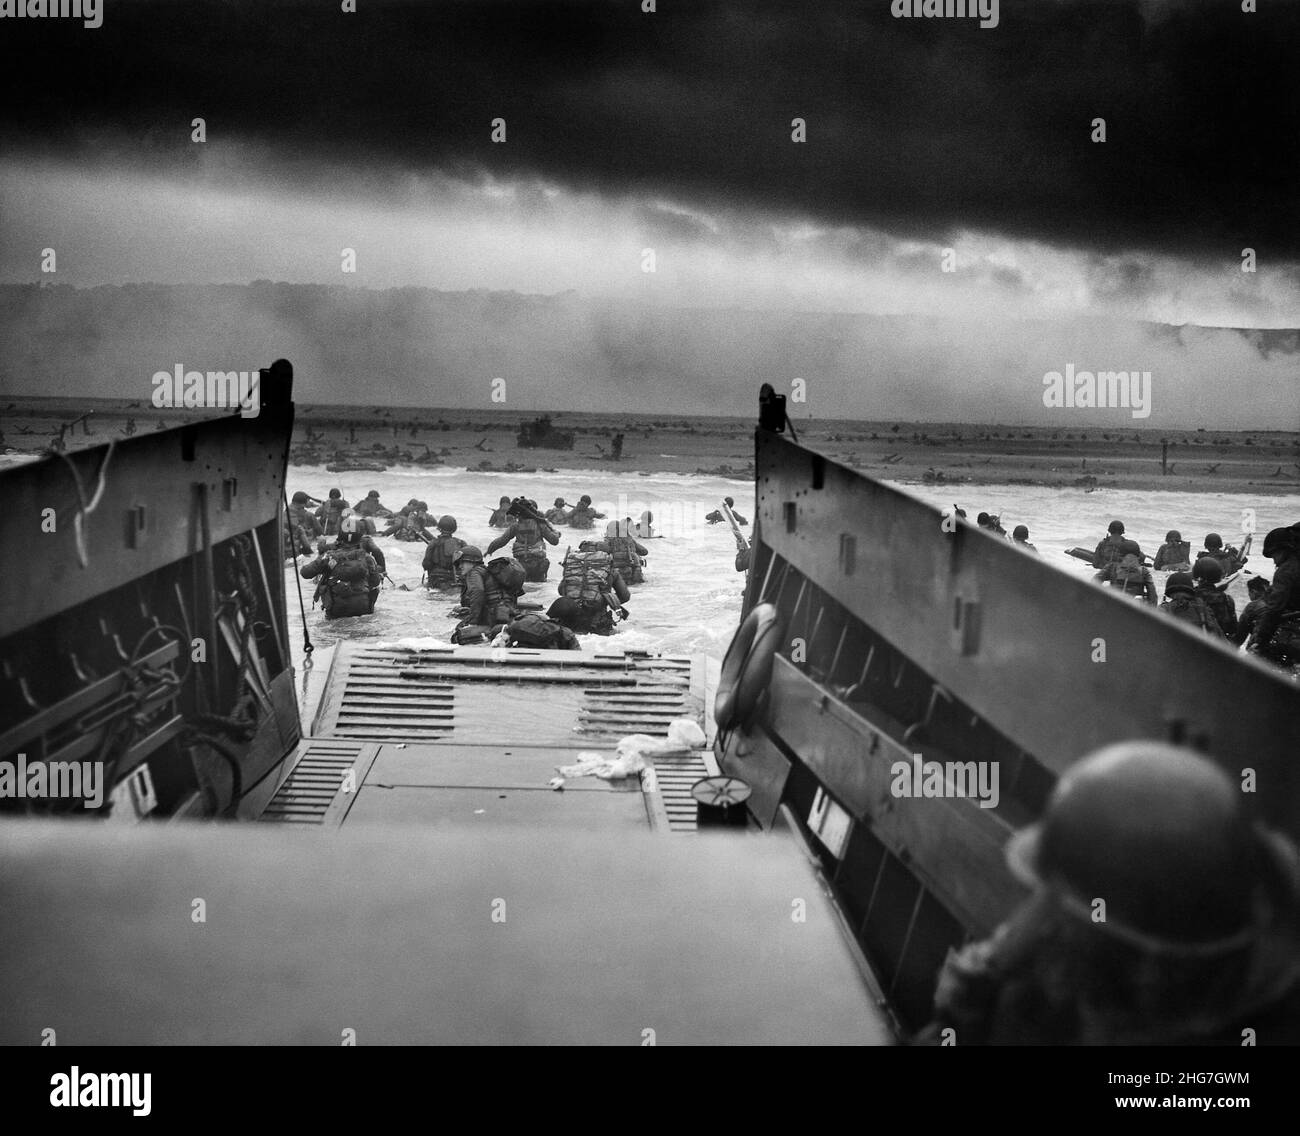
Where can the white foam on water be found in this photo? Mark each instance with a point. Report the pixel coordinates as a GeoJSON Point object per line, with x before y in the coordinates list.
{"type": "Point", "coordinates": [691, 600]}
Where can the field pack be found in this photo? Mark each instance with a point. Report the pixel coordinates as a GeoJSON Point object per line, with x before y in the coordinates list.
{"type": "Point", "coordinates": [587, 576]}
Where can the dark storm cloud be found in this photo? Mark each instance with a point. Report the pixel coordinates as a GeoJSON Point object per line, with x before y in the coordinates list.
{"type": "Point", "coordinates": [919, 127]}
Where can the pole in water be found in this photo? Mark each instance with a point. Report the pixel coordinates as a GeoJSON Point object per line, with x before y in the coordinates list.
{"type": "Point", "coordinates": [1164, 457]}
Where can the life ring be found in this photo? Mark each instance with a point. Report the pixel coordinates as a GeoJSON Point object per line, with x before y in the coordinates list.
{"type": "Point", "coordinates": [747, 669]}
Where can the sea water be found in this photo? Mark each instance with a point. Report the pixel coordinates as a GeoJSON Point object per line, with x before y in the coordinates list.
{"type": "Point", "coordinates": [691, 598]}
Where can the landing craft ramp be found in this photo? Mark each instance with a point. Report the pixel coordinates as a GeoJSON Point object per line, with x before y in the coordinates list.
{"type": "Point", "coordinates": [444, 735]}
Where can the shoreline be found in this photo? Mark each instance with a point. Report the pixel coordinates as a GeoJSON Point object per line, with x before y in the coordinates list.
{"type": "Point", "coordinates": [923, 454]}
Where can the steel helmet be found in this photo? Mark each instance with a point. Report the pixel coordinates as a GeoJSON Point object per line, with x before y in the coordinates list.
{"type": "Point", "coordinates": [559, 502]}
{"type": "Point", "coordinates": [1180, 582]}
{"type": "Point", "coordinates": [564, 610]}
{"type": "Point", "coordinates": [1279, 540]}
{"type": "Point", "coordinates": [1115, 527]}
{"type": "Point", "coordinates": [300, 498]}
{"type": "Point", "coordinates": [1213, 540]}
{"type": "Point", "coordinates": [1208, 569]}
{"type": "Point", "coordinates": [469, 552]}
{"type": "Point", "coordinates": [1020, 532]}
{"type": "Point", "coordinates": [1173, 536]}
{"type": "Point", "coordinates": [447, 523]}
{"type": "Point", "coordinates": [1160, 834]}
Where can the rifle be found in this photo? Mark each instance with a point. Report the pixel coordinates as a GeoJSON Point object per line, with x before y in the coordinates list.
{"type": "Point", "coordinates": [616, 607]}
{"type": "Point", "coordinates": [741, 541]}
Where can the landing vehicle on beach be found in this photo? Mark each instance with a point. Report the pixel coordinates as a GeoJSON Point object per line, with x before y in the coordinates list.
{"type": "Point", "coordinates": [540, 434]}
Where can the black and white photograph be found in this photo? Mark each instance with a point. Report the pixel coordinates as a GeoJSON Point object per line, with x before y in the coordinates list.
{"type": "Point", "coordinates": [549, 523]}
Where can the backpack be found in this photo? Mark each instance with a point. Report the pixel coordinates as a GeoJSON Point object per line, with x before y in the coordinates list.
{"type": "Point", "coordinates": [438, 556]}
{"type": "Point", "coordinates": [509, 575]}
{"type": "Point", "coordinates": [1192, 609]}
{"type": "Point", "coordinates": [625, 557]}
{"type": "Point", "coordinates": [528, 536]}
{"type": "Point", "coordinates": [1130, 575]}
{"type": "Point", "coordinates": [587, 576]}
{"type": "Point", "coordinates": [350, 575]}
{"type": "Point", "coordinates": [1110, 551]}
{"type": "Point", "coordinates": [533, 630]}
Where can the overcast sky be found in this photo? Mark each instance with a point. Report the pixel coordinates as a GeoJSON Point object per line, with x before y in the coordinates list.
{"type": "Point", "coordinates": [672, 131]}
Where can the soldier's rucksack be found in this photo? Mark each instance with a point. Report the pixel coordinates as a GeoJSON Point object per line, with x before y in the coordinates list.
{"type": "Point", "coordinates": [533, 630]}
{"type": "Point", "coordinates": [528, 537]}
{"type": "Point", "coordinates": [1192, 610]}
{"type": "Point", "coordinates": [1130, 575]}
{"type": "Point", "coordinates": [587, 576]}
{"type": "Point", "coordinates": [509, 575]}
{"type": "Point", "coordinates": [350, 575]}
{"type": "Point", "coordinates": [625, 558]}
{"type": "Point", "coordinates": [350, 570]}
{"type": "Point", "coordinates": [439, 556]}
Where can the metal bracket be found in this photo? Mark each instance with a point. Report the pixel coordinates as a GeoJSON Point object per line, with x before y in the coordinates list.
{"type": "Point", "coordinates": [965, 626]}
{"type": "Point", "coordinates": [135, 526]}
{"type": "Point", "coordinates": [848, 553]}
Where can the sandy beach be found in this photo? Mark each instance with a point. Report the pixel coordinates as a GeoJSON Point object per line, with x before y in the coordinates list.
{"type": "Point", "coordinates": [925, 453]}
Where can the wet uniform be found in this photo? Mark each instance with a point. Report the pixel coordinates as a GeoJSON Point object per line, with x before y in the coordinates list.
{"type": "Point", "coordinates": [438, 560]}
{"type": "Point", "coordinates": [1248, 619]}
{"type": "Point", "coordinates": [1109, 551]}
{"type": "Point", "coordinates": [1221, 606]}
{"type": "Point", "coordinates": [583, 517]}
{"type": "Point", "coordinates": [411, 526]}
{"type": "Point", "coordinates": [330, 515]}
{"type": "Point", "coordinates": [529, 548]}
{"type": "Point", "coordinates": [1229, 559]}
{"type": "Point", "coordinates": [485, 602]}
{"type": "Point", "coordinates": [717, 516]}
{"type": "Point", "coordinates": [626, 554]}
{"type": "Point", "coordinates": [302, 528]}
{"type": "Point", "coordinates": [1131, 578]}
{"type": "Point", "coordinates": [1281, 609]}
{"type": "Point", "coordinates": [1174, 556]}
{"type": "Point", "coordinates": [371, 547]}
{"type": "Point", "coordinates": [1190, 608]}
{"type": "Point", "coordinates": [349, 581]}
